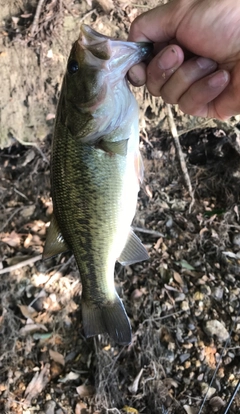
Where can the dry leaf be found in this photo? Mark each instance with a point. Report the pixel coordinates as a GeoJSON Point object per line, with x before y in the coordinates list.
{"type": "Point", "coordinates": [107, 5]}
{"type": "Point", "coordinates": [31, 327]}
{"type": "Point", "coordinates": [15, 20]}
{"type": "Point", "coordinates": [28, 211]}
{"type": "Point", "coordinates": [55, 370]}
{"type": "Point", "coordinates": [57, 357]}
{"type": "Point", "coordinates": [81, 408]}
{"type": "Point", "coordinates": [209, 352]}
{"type": "Point", "coordinates": [27, 241]}
{"type": "Point", "coordinates": [169, 382]}
{"type": "Point", "coordinates": [86, 390]}
{"type": "Point", "coordinates": [178, 278]}
{"type": "Point", "coordinates": [37, 384]}
{"type": "Point", "coordinates": [149, 191]}
{"type": "Point", "coordinates": [12, 239]}
{"type": "Point", "coordinates": [134, 387]}
{"type": "Point", "coordinates": [136, 294]}
{"type": "Point", "coordinates": [27, 311]}
{"type": "Point", "coordinates": [190, 410]}
{"type": "Point", "coordinates": [71, 376]}
{"type": "Point", "coordinates": [3, 387]}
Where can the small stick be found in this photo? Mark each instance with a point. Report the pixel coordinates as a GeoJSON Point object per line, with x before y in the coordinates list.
{"type": "Point", "coordinates": [36, 17]}
{"type": "Point", "coordinates": [10, 218]}
{"type": "Point", "coordinates": [21, 264]}
{"type": "Point", "coordinates": [152, 232]}
{"type": "Point", "coordinates": [86, 15]}
{"type": "Point", "coordinates": [32, 144]}
{"type": "Point", "coordinates": [182, 161]}
{"type": "Point", "coordinates": [237, 388]}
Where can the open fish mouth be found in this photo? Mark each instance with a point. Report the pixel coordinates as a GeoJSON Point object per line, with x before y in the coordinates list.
{"type": "Point", "coordinates": [120, 54]}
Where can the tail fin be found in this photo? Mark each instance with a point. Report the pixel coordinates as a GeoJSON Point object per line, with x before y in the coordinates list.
{"type": "Point", "coordinates": [110, 318]}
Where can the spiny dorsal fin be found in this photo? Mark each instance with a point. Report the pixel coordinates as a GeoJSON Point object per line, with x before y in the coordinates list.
{"type": "Point", "coordinates": [134, 251]}
{"type": "Point", "coordinates": [55, 243]}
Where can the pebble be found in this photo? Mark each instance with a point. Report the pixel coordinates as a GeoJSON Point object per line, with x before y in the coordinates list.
{"type": "Point", "coordinates": [214, 327]}
{"type": "Point", "coordinates": [49, 407]}
{"type": "Point", "coordinates": [216, 403]}
{"type": "Point", "coordinates": [217, 293]}
{"type": "Point", "coordinates": [184, 357]}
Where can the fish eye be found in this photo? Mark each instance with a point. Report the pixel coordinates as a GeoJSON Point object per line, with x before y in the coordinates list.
{"type": "Point", "coordinates": [72, 67]}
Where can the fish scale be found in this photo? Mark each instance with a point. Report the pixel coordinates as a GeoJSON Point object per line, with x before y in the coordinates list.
{"type": "Point", "coordinates": [88, 190]}
{"type": "Point", "coordinates": [95, 172]}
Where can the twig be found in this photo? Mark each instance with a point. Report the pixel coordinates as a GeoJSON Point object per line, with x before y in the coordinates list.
{"type": "Point", "coordinates": [57, 274]}
{"type": "Point", "coordinates": [144, 6]}
{"type": "Point", "coordinates": [68, 9]}
{"type": "Point", "coordinates": [237, 388]}
{"type": "Point", "coordinates": [10, 218]}
{"type": "Point", "coordinates": [182, 161]}
{"type": "Point", "coordinates": [23, 263]}
{"type": "Point", "coordinates": [21, 194]}
{"type": "Point", "coordinates": [86, 15]}
{"type": "Point", "coordinates": [160, 318]}
{"type": "Point", "coordinates": [152, 232]}
{"type": "Point", "coordinates": [36, 17]}
{"type": "Point", "coordinates": [32, 144]}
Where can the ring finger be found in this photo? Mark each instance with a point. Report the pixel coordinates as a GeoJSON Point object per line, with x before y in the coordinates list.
{"type": "Point", "coordinates": [188, 73]}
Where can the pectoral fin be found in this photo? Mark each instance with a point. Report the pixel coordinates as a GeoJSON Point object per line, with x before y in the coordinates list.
{"type": "Point", "coordinates": [55, 243]}
{"type": "Point", "coordinates": [134, 251]}
{"type": "Point", "coordinates": [118, 147]}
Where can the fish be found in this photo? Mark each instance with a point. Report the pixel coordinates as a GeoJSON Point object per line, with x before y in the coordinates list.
{"type": "Point", "coordinates": [96, 169]}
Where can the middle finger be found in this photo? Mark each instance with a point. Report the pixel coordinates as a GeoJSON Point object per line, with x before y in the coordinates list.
{"type": "Point", "coordinates": [189, 72]}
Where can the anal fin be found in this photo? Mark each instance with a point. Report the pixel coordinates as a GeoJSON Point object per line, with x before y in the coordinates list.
{"type": "Point", "coordinates": [55, 243]}
{"type": "Point", "coordinates": [134, 251]}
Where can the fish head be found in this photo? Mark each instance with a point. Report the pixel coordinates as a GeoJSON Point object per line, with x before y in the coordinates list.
{"type": "Point", "coordinates": [95, 95]}
{"type": "Point", "coordinates": [96, 58]}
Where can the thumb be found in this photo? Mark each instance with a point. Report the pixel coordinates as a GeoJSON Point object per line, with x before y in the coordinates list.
{"type": "Point", "coordinates": [157, 25]}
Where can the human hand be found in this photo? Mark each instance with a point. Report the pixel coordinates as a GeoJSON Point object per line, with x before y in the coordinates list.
{"type": "Point", "coordinates": [197, 61]}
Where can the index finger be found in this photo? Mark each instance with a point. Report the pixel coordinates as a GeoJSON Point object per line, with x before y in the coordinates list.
{"type": "Point", "coordinates": [156, 25]}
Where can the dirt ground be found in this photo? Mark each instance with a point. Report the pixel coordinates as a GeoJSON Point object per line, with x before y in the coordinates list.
{"type": "Point", "coordinates": [183, 303]}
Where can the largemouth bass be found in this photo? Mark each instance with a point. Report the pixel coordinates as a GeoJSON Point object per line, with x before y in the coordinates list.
{"type": "Point", "coordinates": [95, 173]}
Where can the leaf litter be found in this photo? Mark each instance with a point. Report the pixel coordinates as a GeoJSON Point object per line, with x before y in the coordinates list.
{"type": "Point", "coordinates": [183, 303]}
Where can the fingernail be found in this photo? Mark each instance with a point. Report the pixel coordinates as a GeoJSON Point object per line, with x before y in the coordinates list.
{"type": "Point", "coordinates": [205, 63]}
{"type": "Point", "coordinates": [219, 79]}
{"type": "Point", "coordinates": [168, 59]}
